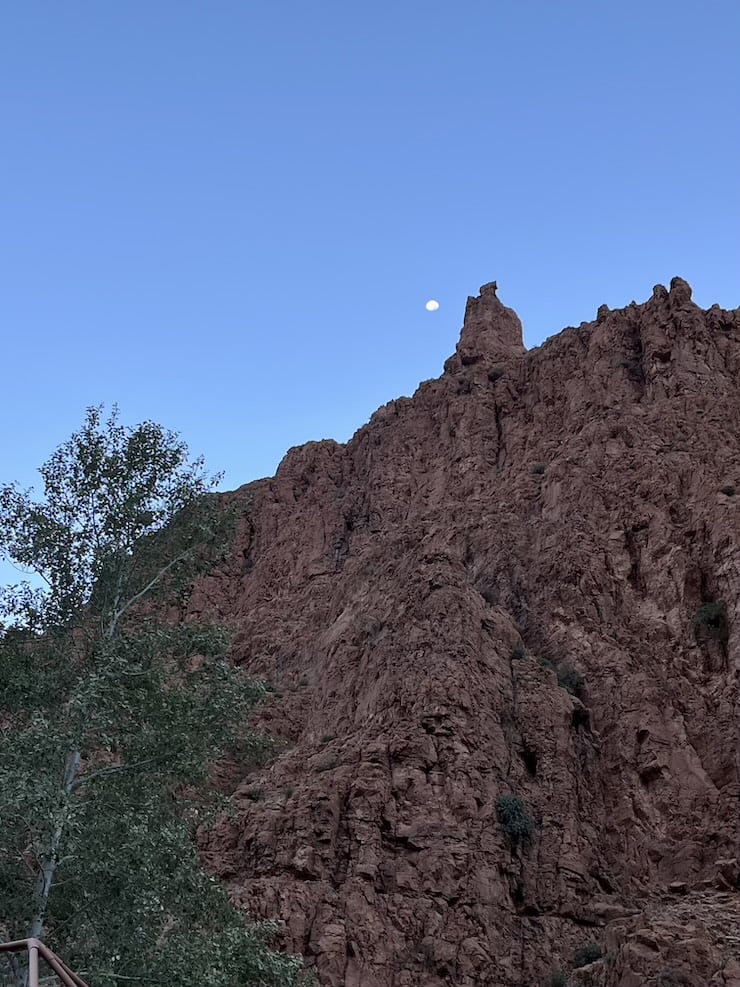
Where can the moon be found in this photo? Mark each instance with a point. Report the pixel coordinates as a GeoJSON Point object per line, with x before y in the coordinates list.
{"type": "Point", "coordinates": [432, 305]}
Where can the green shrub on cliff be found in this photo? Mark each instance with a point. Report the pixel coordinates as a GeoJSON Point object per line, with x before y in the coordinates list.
{"type": "Point", "coordinates": [515, 821]}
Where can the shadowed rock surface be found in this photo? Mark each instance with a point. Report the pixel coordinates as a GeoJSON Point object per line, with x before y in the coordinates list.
{"type": "Point", "coordinates": [572, 503]}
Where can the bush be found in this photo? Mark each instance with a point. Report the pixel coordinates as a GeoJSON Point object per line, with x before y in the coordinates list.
{"type": "Point", "coordinates": [546, 663]}
{"type": "Point", "coordinates": [558, 979]}
{"type": "Point", "coordinates": [515, 821]}
{"type": "Point", "coordinates": [586, 954]}
{"type": "Point", "coordinates": [710, 621]}
{"type": "Point", "coordinates": [570, 680]}
{"type": "Point", "coordinates": [728, 491]}
{"type": "Point", "coordinates": [517, 652]}
{"type": "Point", "coordinates": [538, 469]}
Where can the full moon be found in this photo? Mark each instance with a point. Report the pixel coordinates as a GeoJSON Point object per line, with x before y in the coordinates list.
{"type": "Point", "coordinates": [432, 305]}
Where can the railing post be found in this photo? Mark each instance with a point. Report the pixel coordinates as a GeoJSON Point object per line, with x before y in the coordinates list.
{"type": "Point", "coordinates": [33, 964]}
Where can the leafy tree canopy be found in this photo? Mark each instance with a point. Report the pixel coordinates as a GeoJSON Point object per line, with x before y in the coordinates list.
{"type": "Point", "coordinates": [110, 719]}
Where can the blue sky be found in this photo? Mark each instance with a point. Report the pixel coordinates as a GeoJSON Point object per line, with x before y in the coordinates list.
{"type": "Point", "coordinates": [227, 216]}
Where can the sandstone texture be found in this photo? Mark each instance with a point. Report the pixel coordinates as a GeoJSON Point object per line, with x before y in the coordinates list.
{"type": "Point", "coordinates": [412, 597]}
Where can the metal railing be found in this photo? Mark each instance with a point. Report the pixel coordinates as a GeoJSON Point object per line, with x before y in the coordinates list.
{"type": "Point", "coordinates": [37, 950]}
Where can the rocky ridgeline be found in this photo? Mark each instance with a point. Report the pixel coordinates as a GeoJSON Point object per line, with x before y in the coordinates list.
{"type": "Point", "coordinates": [523, 581]}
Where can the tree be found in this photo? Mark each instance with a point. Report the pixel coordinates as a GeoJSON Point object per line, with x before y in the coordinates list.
{"type": "Point", "coordinates": [110, 718]}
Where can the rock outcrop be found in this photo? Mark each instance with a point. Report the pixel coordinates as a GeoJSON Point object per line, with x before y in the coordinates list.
{"type": "Point", "coordinates": [418, 599]}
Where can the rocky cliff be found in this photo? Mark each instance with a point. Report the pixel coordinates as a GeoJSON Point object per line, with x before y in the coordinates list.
{"type": "Point", "coordinates": [523, 581]}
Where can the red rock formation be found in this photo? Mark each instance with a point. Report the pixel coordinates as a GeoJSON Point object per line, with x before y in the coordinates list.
{"type": "Point", "coordinates": [573, 503]}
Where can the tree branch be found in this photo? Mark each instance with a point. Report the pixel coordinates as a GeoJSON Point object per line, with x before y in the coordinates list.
{"type": "Point", "coordinates": [150, 585]}
{"type": "Point", "coordinates": [139, 980]}
{"type": "Point", "coordinates": [113, 769]}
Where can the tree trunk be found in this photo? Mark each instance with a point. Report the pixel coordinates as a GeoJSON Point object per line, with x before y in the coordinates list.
{"type": "Point", "coordinates": [50, 861]}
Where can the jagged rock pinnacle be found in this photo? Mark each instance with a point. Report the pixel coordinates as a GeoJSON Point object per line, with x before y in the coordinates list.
{"type": "Point", "coordinates": [678, 296]}
{"type": "Point", "coordinates": [680, 293]}
{"type": "Point", "coordinates": [491, 333]}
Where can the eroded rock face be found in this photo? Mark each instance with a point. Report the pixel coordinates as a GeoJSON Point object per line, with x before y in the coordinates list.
{"type": "Point", "coordinates": [571, 503]}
